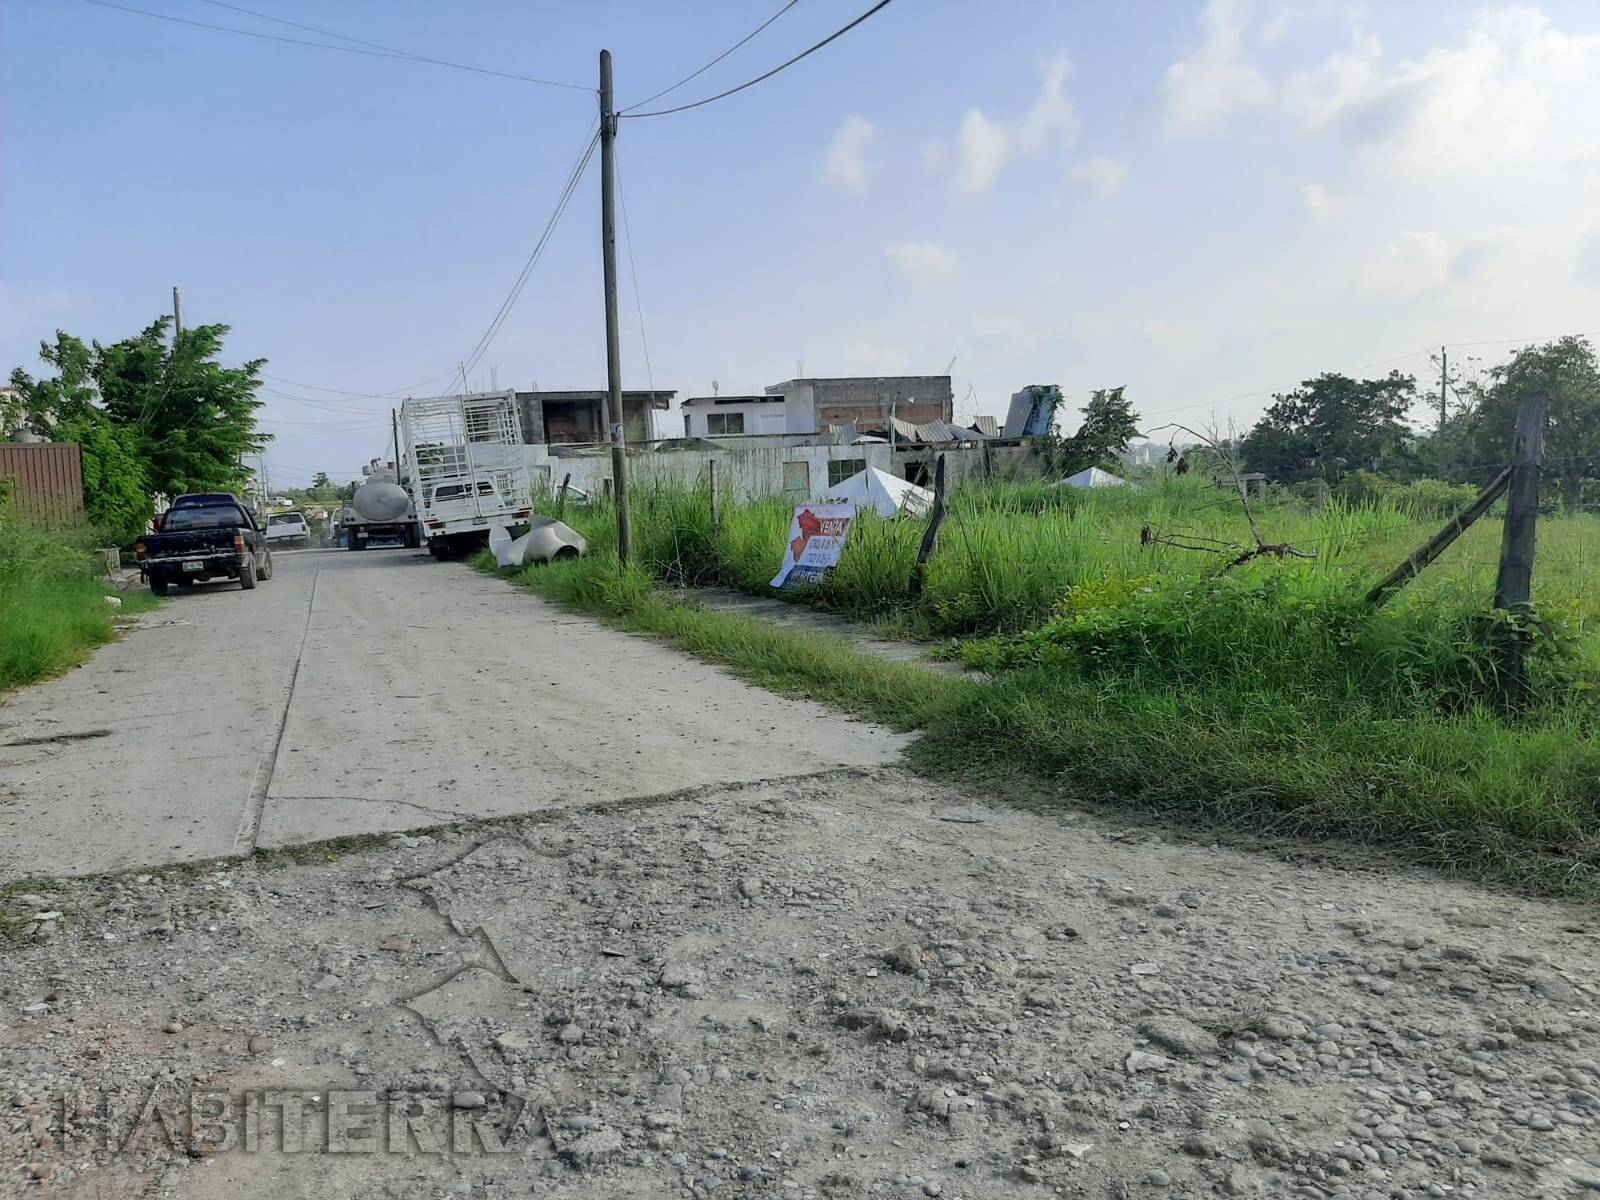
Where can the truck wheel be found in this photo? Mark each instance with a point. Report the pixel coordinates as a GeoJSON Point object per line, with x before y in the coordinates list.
{"type": "Point", "coordinates": [247, 576]}
{"type": "Point", "coordinates": [158, 585]}
{"type": "Point", "coordinates": [439, 548]}
{"type": "Point", "coordinates": [413, 539]}
{"type": "Point", "coordinates": [265, 571]}
{"type": "Point", "coordinates": [350, 540]}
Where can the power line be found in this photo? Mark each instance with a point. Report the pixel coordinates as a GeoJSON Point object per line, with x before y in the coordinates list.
{"type": "Point", "coordinates": [838, 33]}
{"type": "Point", "coordinates": [710, 64]}
{"type": "Point", "coordinates": [633, 273]}
{"type": "Point", "coordinates": [375, 51]}
{"type": "Point", "coordinates": [510, 301]}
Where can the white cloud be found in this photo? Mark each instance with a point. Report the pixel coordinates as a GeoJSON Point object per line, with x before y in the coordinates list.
{"type": "Point", "coordinates": [935, 154]}
{"type": "Point", "coordinates": [1102, 176]}
{"type": "Point", "coordinates": [1412, 263]}
{"type": "Point", "coordinates": [847, 153]}
{"type": "Point", "coordinates": [1211, 83]}
{"type": "Point", "coordinates": [1319, 205]}
{"type": "Point", "coordinates": [922, 264]}
{"type": "Point", "coordinates": [1052, 113]}
{"type": "Point", "coordinates": [1513, 88]}
{"type": "Point", "coordinates": [984, 145]}
{"type": "Point", "coordinates": [1317, 96]}
{"type": "Point", "coordinates": [982, 148]}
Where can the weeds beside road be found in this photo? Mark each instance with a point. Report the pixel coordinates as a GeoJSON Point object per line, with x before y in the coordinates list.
{"type": "Point", "coordinates": [1269, 698]}
{"type": "Point", "coordinates": [52, 605]}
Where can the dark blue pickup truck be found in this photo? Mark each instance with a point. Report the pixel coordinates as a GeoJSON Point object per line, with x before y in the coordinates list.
{"type": "Point", "coordinates": [202, 537]}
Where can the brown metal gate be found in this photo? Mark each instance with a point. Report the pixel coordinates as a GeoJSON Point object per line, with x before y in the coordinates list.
{"type": "Point", "coordinates": [46, 478]}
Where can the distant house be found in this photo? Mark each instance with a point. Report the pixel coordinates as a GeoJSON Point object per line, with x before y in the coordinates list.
{"type": "Point", "coordinates": [868, 402]}
{"type": "Point", "coordinates": [732, 416]}
{"type": "Point", "coordinates": [573, 417]}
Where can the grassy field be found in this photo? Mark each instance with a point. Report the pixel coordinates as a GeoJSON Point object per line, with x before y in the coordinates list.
{"type": "Point", "coordinates": [52, 606]}
{"type": "Point", "coordinates": [1268, 697]}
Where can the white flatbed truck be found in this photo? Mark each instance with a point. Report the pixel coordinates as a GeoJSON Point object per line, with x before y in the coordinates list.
{"type": "Point", "coordinates": [468, 469]}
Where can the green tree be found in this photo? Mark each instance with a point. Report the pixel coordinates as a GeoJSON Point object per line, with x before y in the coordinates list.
{"type": "Point", "coordinates": [320, 481]}
{"type": "Point", "coordinates": [1332, 425]}
{"type": "Point", "coordinates": [196, 415]}
{"type": "Point", "coordinates": [151, 417]}
{"type": "Point", "coordinates": [1109, 424]}
{"type": "Point", "coordinates": [1567, 371]}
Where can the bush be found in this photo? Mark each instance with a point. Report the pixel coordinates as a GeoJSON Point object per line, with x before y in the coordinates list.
{"type": "Point", "coordinates": [52, 607]}
{"type": "Point", "coordinates": [115, 491]}
{"type": "Point", "coordinates": [1430, 498]}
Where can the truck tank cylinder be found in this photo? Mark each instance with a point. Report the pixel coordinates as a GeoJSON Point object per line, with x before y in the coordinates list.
{"type": "Point", "coordinates": [381, 500]}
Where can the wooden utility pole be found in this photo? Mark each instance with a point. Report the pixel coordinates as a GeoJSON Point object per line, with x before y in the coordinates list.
{"type": "Point", "coordinates": [1513, 587]}
{"type": "Point", "coordinates": [612, 407]}
{"type": "Point", "coordinates": [716, 497]}
{"type": "Point", "coordinates": [394, 420]}
{"type": "Point", "coordinates": [1444, 383]}
{"type": "Point", "coordinates": [177, 316]}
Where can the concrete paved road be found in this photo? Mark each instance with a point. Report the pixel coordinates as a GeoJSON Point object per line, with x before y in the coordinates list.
{"type": "Point", "coordinates": [358, 693]}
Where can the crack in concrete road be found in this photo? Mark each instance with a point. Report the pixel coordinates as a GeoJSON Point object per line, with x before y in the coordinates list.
{"type": "Point", "coordinates": [249, 831]}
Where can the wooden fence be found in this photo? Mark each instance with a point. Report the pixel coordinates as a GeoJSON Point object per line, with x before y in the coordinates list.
{"type": "Point", "coordinates": [46, 478]}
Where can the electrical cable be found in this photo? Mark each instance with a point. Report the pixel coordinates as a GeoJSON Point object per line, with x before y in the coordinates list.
{"type": "Point", "coordinates": [633, 272]}
{"type": "Point", "coordinates": [709, 65]}
{"type": "Point", "coordinates": [838, 33]}
{"type": "Point", "coordinates": [512, 296]}
{"type": "Point", "coordinates": [375, 52]}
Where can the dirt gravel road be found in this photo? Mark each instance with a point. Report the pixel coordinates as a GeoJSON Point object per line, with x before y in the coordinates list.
{"type": "Point", "coordinates": [856, 984]}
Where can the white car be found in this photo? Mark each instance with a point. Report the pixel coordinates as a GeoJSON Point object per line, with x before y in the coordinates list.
{"type": "Point", "coordinates": [287, 527]}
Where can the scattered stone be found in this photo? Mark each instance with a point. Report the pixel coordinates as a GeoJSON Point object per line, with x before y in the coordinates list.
{"type": "Point", "coordinates": [905, 958]}
{"type": "Point", "coordinates": [172, 1027]}
{"type": "Point", "coordinates": [468, 1100]}
{"type": "Point", "coordinates": [592, 1148]}
{"type": "Point", "coordinates": [1139, 1060]}
{"type": "Point", "coordinates": [259, 1044]}
{"type": "Point", "coordinates": [750, 887]}
{"type": "Point", "coordinates": [1180, 1036]}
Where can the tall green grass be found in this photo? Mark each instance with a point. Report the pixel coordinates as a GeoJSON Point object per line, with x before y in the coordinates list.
{"type": "Point", "coordinates": [1268, 696]}
{"type": "Point", "coordinates": [52, 606]}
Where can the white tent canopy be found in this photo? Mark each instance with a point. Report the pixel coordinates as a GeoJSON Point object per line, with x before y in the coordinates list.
{"type": "Point", "coordinates": [1093, 477]}
{"type": "Point", "coordinates": [886, 494]}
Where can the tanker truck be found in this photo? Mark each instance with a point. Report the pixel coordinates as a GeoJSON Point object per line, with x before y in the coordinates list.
{"type": "Point", "coordinates": [379, 509]}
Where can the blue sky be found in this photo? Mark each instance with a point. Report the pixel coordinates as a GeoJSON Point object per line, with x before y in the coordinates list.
{"type": "Point", "coordinates": [1202, 201]}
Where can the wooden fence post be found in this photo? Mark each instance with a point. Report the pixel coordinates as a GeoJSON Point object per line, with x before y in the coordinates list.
{"type": "Point", "coordinates": [561, 494]}
{"type": "Point", "coordinates": [1436, 545]}
{"type": "Point", "coordinates": [1513, 587]}
{"type": "Point", "coordinates": [716, 496]}
{"type": "Point", "coordinates": [930, 536]}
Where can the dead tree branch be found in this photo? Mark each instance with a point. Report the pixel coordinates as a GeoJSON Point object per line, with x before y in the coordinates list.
{"type": "Point", "coordinates": [1242, 555]}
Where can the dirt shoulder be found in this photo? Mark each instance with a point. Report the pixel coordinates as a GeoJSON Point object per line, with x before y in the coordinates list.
{"type": "Point", "coordinates": [854, 984]}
